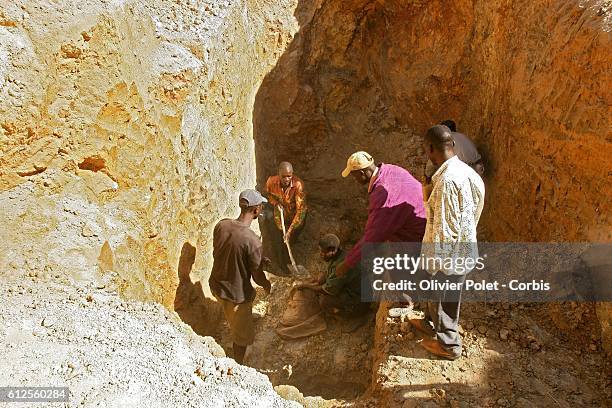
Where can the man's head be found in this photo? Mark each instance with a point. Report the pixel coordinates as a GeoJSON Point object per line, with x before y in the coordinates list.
{"type": "Point", "coordinates": [251, 203]}
{"type": "Point", "coordinates": [285, 173]}
{"type": "Point", "coordinates": [438, 144]}
{"type": "Point", "coordinates": [329, 245]}
{"type": "Point", "coordinates": [449, 123]}
{"type": "Point", "coordinates": [361, 166]}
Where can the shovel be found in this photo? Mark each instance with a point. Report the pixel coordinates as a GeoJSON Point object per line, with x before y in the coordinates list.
{"type": "Point", "coordinates": [293, 268]}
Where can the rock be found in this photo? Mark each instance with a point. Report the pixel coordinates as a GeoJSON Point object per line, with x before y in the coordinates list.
{"type": "Point", "coordinates": [340, 357]}
{"type": "Point", "coordinates": [482, 329]}
{"type": "Point", "coordinates": [290, 393]}
{"type": "Point", "coordinates": [503, 334]}
{"type": "Point", "coordinates": [48, 321]}
{"type": "Point", "coordinates": [137, 108]}
{"type": "Point", "coordinates": [399, 312]}
{"type": "Point", "coordinates": [438, 393]}
{"type": "Point", "coordinates": [87, 231]}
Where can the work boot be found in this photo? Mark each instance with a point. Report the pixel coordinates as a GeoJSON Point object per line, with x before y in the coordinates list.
{"type": "Point", "coordinates": [423, 326]}
{"type": "Point", "coordinates": [434, 347]}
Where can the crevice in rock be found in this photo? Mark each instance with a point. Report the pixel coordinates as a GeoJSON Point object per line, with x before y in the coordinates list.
{"type": "Point", "coordinates": [92, 163]}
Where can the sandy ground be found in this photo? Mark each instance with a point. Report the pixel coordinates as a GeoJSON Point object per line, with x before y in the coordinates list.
{"type": "Point", "coordinates": [508, 360]}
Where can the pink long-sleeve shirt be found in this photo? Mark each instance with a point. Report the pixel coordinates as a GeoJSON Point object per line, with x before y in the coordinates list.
{"type": "Point", "coordinates": [396, 212]}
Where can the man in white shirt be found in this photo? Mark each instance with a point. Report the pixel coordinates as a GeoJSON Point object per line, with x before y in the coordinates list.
{"type": "Point", "coordinates": [464, 148]}
{"type": "Point", "coordinates": [453, 211]}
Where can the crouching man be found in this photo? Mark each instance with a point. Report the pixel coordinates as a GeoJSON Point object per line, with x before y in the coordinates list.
{"type": "Point", "coordinates": [339, 295]}
{"type": "Point", "coordinates": [237, 256]}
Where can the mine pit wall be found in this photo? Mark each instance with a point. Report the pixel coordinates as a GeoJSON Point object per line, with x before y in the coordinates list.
{"type": "Point", "coordinates": [125, 131]}
{"type": "Point", "coordinates": [528, 81]}
{"type": "Point", "coordinates": [125, 128]}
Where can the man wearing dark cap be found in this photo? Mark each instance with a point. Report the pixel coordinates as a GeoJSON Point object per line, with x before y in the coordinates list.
{"type": "Point", "coordinates": [237, 256]}
{"type": "Point", "coordinates": [465, 150]}
{"type": "Point", "coordinates": [337, 294]}
{"type": "Point", "coordinates": [453, 212]}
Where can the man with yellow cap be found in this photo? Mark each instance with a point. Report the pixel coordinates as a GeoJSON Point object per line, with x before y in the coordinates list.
{"type": "Point", "coordinates": [396, 211]}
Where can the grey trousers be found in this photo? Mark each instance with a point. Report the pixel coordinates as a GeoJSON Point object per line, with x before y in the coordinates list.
{"type": "Point", "coordinates": [442, 312]}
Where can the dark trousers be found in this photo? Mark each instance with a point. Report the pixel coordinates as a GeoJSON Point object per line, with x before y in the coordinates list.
{"type": "Point", "coordinates": [442, 312]}
{"type": "Point", "coordinates": [277, 250]}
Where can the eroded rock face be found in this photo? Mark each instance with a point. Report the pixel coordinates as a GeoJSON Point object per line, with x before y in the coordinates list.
{"type": "Point", "coordinates": [125, 131]}
{"type": "Point", "coordinates": [526, 80]}
{"type": "Point", "coordinates": [125, 126]}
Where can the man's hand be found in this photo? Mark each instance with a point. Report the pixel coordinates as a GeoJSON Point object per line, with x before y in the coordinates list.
{"type": "Point", "coordinates": [299, 285]}
{"type": "Point", "coordinates": [287, 236]}
{"type": "Point", "coordinates": [342, 269]}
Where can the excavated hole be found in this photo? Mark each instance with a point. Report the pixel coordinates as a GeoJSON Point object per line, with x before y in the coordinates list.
{"type": "Point", "coordinates": [357, 76]}
{"type": "Point", "coordinates": [331, 365]}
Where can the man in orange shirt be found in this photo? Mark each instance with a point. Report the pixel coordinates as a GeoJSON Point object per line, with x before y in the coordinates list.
{"type": "Point", "coordinates": [284, 191]}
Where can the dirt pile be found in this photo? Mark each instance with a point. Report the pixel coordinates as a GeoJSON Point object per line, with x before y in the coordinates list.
{"type": "Point", "coordinates": [113, 352]}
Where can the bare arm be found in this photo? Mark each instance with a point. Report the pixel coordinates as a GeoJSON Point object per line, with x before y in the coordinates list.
{"type": "Point", "coordinates": [317, 287]}
{"type": "Point", "coordinates": [256, 263]}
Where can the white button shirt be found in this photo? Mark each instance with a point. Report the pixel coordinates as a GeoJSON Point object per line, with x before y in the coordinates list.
{"type": "Point", "coordinates": [453, 212]}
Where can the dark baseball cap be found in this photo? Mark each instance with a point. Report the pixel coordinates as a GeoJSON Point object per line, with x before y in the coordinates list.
{"type": "Point", "coordinates": [251, 198]}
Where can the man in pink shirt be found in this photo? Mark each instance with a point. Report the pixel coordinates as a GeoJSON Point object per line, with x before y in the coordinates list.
{"type": "Point", "coordinates": [396, 212]}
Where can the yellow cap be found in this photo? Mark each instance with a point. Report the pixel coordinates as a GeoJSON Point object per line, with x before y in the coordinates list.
{"type": "Point", "coordinates": [357, 161]}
